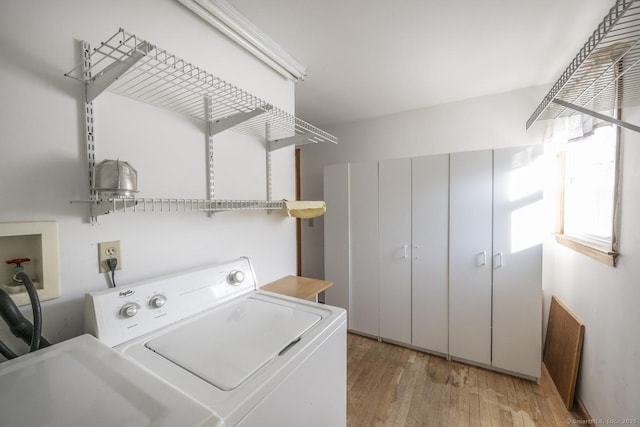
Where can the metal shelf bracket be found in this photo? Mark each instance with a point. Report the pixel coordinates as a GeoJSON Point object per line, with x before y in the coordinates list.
{"type": "Point", "coordinates": [85, 51]}
{"type": "Point", "coordinates": [220, 125]}
{"type": "Point", "coordinates": [208, 106]}
{"type": "Point", "coordinates": [99, 83]}
{"type": "Point", "coordinates": [600, 116]}
{"type": "Point", "coordinates": [267, 135]}
{"type": "Point", "coordinates": [292, 140]}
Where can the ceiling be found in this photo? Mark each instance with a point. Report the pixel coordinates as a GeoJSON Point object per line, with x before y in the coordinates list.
{"type": "Point", "coordinates": [370, 58]}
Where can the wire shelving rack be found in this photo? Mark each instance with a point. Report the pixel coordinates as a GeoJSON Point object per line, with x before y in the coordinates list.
{"type": "Point", "coordinates": [605, 74]}
{"type": "Point", "coordinates": [128, 65]}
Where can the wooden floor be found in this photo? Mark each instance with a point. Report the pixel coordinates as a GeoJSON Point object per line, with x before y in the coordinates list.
{"type": "Point", "coordinates": [389, 385]}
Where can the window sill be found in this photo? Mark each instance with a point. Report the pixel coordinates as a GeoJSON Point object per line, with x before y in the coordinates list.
{"type": "Point", "coordinates": [605, 256]}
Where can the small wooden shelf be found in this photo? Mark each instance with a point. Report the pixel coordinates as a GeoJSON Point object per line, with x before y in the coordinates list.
{"type": "Point", "coordinates": [298, 287]}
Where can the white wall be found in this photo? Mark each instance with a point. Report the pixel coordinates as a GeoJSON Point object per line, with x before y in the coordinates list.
{"type": "Point", "coordinates": [488, 122]}
{"type": "Point", "coordinates": [606, 299]}
{"type": "Point", "coordinates": [42, 161]}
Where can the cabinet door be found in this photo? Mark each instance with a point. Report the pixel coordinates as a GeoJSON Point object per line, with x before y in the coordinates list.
{"type": "Point", "coordinates": [470, 249]}
{"type": "Point", "coordinates": [336, 234]}
{"type": "Point", "coordinates": [395, 249]}
{"type": "Point", "coordinates": [430, 263]}
{"type": "Point", "coordinates": [517, 274]}
{"type": "Point", "coordinates": [363, 223]}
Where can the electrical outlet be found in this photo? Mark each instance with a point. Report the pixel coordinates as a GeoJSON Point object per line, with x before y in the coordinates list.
{"type": "Point", "coordinates": [108, 250]}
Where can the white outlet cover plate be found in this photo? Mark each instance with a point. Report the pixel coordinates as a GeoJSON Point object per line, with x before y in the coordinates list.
{"type": "Point", "coordinates": [103, 255]}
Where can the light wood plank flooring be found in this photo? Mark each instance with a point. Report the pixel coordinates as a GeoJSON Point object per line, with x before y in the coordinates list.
{"type": "Point", "coordinates": [389, 385]}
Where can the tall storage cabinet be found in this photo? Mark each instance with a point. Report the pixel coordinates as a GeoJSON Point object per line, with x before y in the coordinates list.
{"type": "Point", "coordinates": [470, 249]}
{"type": "Point", "coordinates": [393, 218]}
{"type": "Point", "coordinates": [496, 259]}
{"type": "Point", "coordinates": [351, 243]}
{"type": "Point", "coordinates": [363, 226]}
{"type": "Point", "coordinates": [413, 227]}
{"type": "Point", "coordinates": [517, 260]}
{"type": "Point", "coordinates": [394, 207]}
{"type": "Point", "coordinates": [337, 245]}
{"type": "Point", "coordinates": [430, 260]}
{"type": "Point", "coordinates": [442, 253]}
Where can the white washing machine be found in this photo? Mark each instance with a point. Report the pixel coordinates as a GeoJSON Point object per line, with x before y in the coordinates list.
{"type": "Point", "coordinates": [253, 357]}
{"type": "Point", "coordinates": [82, 382]}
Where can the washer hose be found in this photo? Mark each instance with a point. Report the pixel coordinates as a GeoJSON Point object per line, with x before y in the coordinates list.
{"type": "Point", "coordinates": [35, 307]}
{"type": "Point", "coordinates": [4, 350]}
{"type": "Point", "coordinates": [18, 324]}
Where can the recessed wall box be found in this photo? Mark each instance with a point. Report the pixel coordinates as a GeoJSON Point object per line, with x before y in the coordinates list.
{"type": "Point", "coordinates": [37, 241]}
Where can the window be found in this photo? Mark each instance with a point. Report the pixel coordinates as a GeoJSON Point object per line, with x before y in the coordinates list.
{"type": "Point", "coordinates": [588, 194]}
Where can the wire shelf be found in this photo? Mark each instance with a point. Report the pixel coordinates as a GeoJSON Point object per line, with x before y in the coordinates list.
{"type": "Point", "coordinates": [130, 66]}
{"type": "Point", "coordinates": [604, 75]}
{"type": "Point", "coordinates": [127, 205]}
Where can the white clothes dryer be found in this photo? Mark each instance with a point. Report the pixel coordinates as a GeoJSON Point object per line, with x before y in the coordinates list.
{"type": "Point", "coordinates": [82, 382]}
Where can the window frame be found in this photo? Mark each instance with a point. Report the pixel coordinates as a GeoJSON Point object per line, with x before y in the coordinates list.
{"type": "Point", "coordinates": [605, 253]}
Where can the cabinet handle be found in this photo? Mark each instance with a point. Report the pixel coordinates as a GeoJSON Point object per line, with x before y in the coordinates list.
{"type": "Point", "coordinates": [498, 260]}
{"type": "Point", "coordinates": [482, 258]}
{"type": "Point", "coordinates": [406, 254]}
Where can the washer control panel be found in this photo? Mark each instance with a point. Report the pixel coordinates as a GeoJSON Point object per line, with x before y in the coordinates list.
{"type": "Point", "coordinates": [120, 314]}
{"type": "Point", "coordinates": [157, 301]}
{"type": "Point", "coordinates": [130, 309]}
{"type": "Point", "coordinates": [236, 277]}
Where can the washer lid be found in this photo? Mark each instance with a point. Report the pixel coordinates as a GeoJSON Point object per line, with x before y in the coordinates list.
{"type": "Point", "coordinates": [83, 382]}
{"type": "Point", "coordinates": [226, 346]}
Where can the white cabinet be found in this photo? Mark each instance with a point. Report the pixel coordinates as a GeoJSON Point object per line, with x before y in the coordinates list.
{"type": "Point", "coordinates": [351, 242]}
{"type": "Point", "coordinates": [363, 226]}
{"type": "Point", "coordinates": [496, 259]}
{"type": "Point", "coordinates": [386, 238]}
{"type": "Point", "coordinates": [470, 248]}
{"type": "Point", "coordinates": [517, 260]}
{"type": "Point", "coordinates": [429, 265]}
{"type": "Point", "coordinates": [394, 226]}
{"type": "Point", "coordinates": [413, 227]}
{"type": "Point", "coordinates": [336, 234]}
{"type": "Point", "coordinates": [442, 253]}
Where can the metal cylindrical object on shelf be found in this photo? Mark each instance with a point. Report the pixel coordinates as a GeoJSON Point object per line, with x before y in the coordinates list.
{"type": "Point", "coordinates": [115, 178]}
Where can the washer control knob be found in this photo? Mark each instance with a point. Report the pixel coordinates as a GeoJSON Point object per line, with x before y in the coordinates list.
{"type": "Point", "coordinates": [157, 301]}
{"type": "Point", "coordinates": [130, 309]}
{"type": "Point", "coordinates": [236, 277]}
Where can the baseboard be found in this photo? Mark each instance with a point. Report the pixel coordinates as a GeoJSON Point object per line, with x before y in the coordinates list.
{"type": "Point", "coordinates": [580, 410]}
